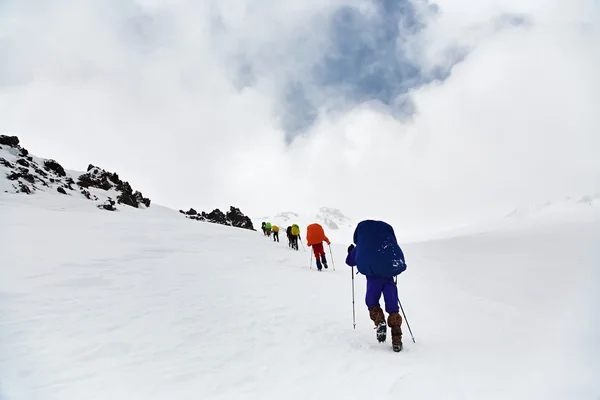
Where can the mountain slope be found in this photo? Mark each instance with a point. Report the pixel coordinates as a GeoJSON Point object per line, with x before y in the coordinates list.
{"type": "Point", "coordinates": [146, 305]}
{"type": "Point", "coordinates": [21, 172]}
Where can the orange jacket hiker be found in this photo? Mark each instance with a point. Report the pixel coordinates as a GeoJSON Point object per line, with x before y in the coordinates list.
{"type": "Point", "coordinates": [315, 237]}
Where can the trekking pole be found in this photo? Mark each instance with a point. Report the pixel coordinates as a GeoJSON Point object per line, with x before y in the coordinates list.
{"type": "Point", "coordinates": [331, 254]}
{"type": "Point", "coordinates": [406, 319]}
{"type": "Point", "coordinates": [353, 311]}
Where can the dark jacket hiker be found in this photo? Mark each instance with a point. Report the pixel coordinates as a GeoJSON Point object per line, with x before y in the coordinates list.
{"type": "Point", "coordinates": [378, 256]}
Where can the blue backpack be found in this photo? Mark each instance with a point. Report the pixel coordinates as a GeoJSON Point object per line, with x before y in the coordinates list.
{"type": "Point", "coordinates": [377, 251]}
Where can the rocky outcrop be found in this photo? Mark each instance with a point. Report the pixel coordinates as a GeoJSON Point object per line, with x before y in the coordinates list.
{"type": "Point", "coordinates": [216, 216]}
{"type": "Point", "coordinates": [27, 174]}
{"type": "Point", "coordinates": [238, 219]}
{"type": "Point", "coordinates": [53, 166]}
{"type": "Point", "coordinates": [234, 217]}
{"type": "Point", "coordinates": [101, 179]}
{"type": "Point", "coordinates": [108, 205]}
{"type": "Point", "coordinates": [10, 141]}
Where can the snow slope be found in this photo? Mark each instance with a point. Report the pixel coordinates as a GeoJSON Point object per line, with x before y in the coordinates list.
{"type": "Point", "coordinates": [568, 210]}
{"type": "Point", "coordinates": [141, 304]}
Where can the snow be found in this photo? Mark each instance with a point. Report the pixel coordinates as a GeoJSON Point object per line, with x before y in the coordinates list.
{"type": "Point", "coordinates": [338, 227]}
{"type": "Point", "coordinates": [144, 304]}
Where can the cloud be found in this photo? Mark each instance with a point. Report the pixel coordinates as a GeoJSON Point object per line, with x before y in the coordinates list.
{"type": "Point", "coordinates": [427, 114]}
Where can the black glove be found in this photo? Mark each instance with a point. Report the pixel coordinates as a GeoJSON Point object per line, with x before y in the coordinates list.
{"type": "Point", "coordinates": [350, 248]}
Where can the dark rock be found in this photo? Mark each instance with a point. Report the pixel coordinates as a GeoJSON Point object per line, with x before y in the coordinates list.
{"type": "Point", "coordinates": [6, 163]}
{"type": "Point", "coordinates": [217, 217]}
{"type": "Point", "coordinates": [13, 176]}
{"type": "Point", "coordinates": [101, 179]}
{"type": "Point", "coordinates": [24, 173]}
{"type": "Point", "coordinates": [132, 199]}
{"type": "Point", "coordinates": [11, 141]}
{"type": "Point", "coordinates": [51, 165]}
{"type": "Point", "coordinates": [24, 188]}
{"type": "Point", "coordinates": [88, 195]}
{"type": "Point", "coordinates": [61, 190]}
{"type": "Point", "coordinates": [40, 171]}
{"type": "Point", "coordinates": [129, 198]}
{"type": "Point", "coordinates": [87, 181]}
{"type": "Point", "coordinates": [108, 205]}
{"type": "Point", "coordinates": [238, 219]}
{"type": "Point", "coordinates": [24, 153]}
{"type": "Point", "coordinates": [22, 162]}
{"type": "Point", "coordinates": [234, 217]}
{"type": "Point", "coordinates": [140, 199]}
{"type": "Point", "coordinates": [115, 178]}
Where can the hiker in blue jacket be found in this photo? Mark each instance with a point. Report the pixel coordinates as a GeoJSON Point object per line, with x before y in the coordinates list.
{"type": "Point", "coordinates": [377, 255]}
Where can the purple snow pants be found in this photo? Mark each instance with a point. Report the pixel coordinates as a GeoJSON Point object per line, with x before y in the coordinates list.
{"type": "Point", "coordinates": [376, 286]}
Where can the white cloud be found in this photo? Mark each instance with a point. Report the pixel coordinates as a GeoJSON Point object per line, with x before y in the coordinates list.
{"type": "Point", "coordinates": [516, 122]}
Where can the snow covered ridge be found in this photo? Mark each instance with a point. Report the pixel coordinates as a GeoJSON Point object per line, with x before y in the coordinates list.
{"type": "Point", "coordinates": [338, 227]}
{"type": "Point", "coordinates": [549, 206]}
{"type": "Point", "coordinates": [333, 218]}
{"type": "Point", "coordinates": [27, 174]}
{"type": "Point", "coordinates": [330, 218]}
{"type": "Point", "coordinates": [233, 217]}
{"type": "Point", "coordinates": [20, 172]}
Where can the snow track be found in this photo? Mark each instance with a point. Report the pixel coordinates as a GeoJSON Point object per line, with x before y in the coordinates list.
{"type": "Point", "coordinates": [142, 304]}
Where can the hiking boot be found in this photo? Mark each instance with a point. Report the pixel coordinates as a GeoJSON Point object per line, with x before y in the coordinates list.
{"type": "Point", "coordinates": [381, 332]}
{"type": "Point", "coordinates": [378, 318]}
{"type": "Point", "coordinates": [319, 265]}
{"type": "Point", "coordinates": [395, 321]}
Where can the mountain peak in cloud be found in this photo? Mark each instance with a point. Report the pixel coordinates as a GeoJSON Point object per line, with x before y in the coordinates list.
{"type": "Point", "coordinates": [329, 217]}
{"type": "Point", "coordinates": [333, 218]}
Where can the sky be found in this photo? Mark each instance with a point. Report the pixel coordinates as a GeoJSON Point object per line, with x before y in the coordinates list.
{"type": "Point", "coordinates": [427, 114]}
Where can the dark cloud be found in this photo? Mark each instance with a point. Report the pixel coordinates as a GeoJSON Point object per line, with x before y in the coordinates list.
{"type": "Point", "coordinates": [366, 59]}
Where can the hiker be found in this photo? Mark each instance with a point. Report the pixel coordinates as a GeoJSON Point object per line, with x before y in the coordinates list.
{"type": "Point", "coordinates": [264, 228]}
{"type": "Point", "coordinates": [315, 237]}
{"type": "Point", "coordinates": [377, 255]}
{"type": "Point", "coordinates": [268, 229]}
{"type": "Point", "coordinates": [288, 233]}
{"type": "Point", "coordinates": [275, 233]}
{"type": "Point", "coordinates": [294, 236]}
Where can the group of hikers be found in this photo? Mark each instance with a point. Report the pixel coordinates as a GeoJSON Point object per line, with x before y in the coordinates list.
{"type": "Point", "coordinates": [292, 232]}
{"type": "Point", "coordinates": [315, 236]}
{"type": "Point", "coordinates": [376, 254]}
